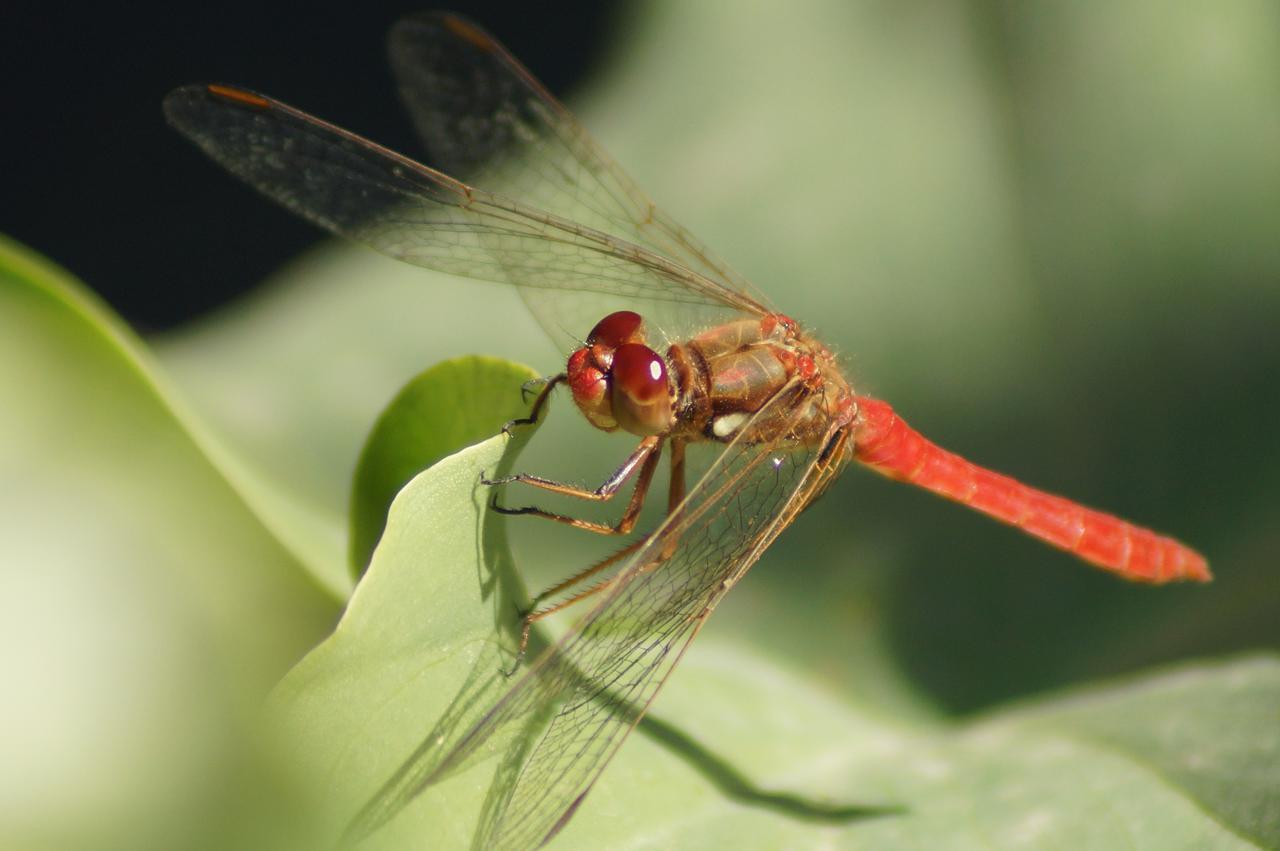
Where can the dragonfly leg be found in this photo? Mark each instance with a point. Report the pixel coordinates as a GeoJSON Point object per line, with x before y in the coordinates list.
{"type": "Point", "coordinates": [539, 402]}
{"type": "Point", "coordinates": [644, 459]}
{"type": "Point", "coordinates": [535, 614]}
{"type": "Point", "coordinates": [675, 496]}
{"type": "Point", "coordinates": [527, 389]}
{"type": "Point", "coordinates": [675, 492]}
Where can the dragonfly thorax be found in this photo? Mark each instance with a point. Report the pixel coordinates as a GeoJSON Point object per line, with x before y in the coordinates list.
{"type": "Point", "coordinates": [709, 388]}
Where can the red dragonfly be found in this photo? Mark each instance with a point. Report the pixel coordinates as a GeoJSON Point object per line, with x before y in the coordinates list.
{"type": "Point", "coordinates": [584, 242]}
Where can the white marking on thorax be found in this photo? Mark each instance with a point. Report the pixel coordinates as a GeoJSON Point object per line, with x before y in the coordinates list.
{"type": "Point", "coordinates": [728, 424]}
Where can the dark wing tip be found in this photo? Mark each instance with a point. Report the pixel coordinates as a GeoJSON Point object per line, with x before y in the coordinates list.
{"type": "Point", "coordinates": [469, 32]}
{"type": "Point", "coordinates": [184, 105]}
{"type": "Point", "coordinates": [413, 27]}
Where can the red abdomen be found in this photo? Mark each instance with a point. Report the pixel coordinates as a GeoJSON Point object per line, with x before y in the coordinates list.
{"type": "Point", "coordinates": [888, 445]}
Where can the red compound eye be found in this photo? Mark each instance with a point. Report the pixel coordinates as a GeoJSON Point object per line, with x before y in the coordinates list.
{"type": "Point", "coordinates": [641, 398]}
{"type": "Point", "coordinates": [639, 372]}
{"type": "Point", "coordinates": [616, 329]}
{"type": "Point", "coordinates": [590, 389]}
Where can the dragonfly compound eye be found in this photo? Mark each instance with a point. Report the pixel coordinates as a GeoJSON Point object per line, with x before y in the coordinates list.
{"type": "Point", "coordinates": [614, 330]}
{"type": "Point", "coordinates": [590, 388]}
{"type": "Point", "coordinates": [640, 391]}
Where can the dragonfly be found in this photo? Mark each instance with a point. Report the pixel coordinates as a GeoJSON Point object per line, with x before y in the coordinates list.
{"type": "Point", "coordinates": [681, 352]}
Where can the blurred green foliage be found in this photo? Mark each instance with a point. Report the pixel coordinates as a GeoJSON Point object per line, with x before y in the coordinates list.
{"type": "Point", "coordinates": [1046, 232]}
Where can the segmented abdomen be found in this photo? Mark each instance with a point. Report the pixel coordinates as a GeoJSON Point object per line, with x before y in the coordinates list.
{"type": "Point", "coordinates": [888, 445]}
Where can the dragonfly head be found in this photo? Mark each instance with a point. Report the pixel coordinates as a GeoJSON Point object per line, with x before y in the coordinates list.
{"type": "Point", "coordinates": [619, 382]}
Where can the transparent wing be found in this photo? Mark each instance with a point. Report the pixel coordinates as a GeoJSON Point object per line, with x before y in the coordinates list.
{"type": "Point", "coordinates": [368, 193]}
{"type": "Point", "coordinates": [486, 119]}
{"type": "Point", "coordinates": [589, 690]}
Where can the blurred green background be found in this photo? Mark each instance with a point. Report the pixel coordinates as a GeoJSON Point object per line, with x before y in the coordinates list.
{"type": "Point", "coordinates": [1047, 233]}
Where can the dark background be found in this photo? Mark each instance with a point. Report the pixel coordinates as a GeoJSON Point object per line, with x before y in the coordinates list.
{"type": "Point", "coordinates": [95, 179]}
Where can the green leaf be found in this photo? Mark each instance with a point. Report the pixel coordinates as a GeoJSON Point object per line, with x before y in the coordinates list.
{"type": "Point", "coordinates": [147, 607]}
{"type": "Point", "coordinates": [1035, 776]}
{"type": "Point", "coordinates": [749, 754]}
{"type": "Point", "coordinates": [296, 520]}
{"type": "Point", "coordinates": [449, 406]}
{"type": "Point", "coordinates": [423, 635]}
{"type": "Point", "coordinates": [1212, 731]}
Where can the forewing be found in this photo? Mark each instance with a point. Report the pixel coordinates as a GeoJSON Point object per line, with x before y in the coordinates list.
{"type": "Point", "coordinates": [576, 703]}
{"type": "Point", "coordinates": [368, 193]}
{"type": "Point", "coordinates": [486, 119]}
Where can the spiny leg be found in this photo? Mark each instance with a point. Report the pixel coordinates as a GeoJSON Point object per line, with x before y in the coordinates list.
{"type": "Point", "coordinates": [675, 491]}
{"type": "Point", "coordinates": [535, 614]}
{"type": "Point", "coordinates": [644, 458]}
{"type": "Point", "coordinates": [538, 403]}
{"type": "Point", "coordinates": [675, 495]}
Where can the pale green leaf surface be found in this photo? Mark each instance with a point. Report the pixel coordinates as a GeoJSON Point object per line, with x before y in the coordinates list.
{"type": "Point", "coordinates": [1035, 777]}
{"type": "Point", "coordinates": [146, 608]}
{"type": "Point", "coordinates": [289, 514]}
{"type": "Point", "coordinates": [1213, 732]}
{"type": "Point", "coordinates": [753, 755]}
{"type": "Point", "coordinates": [423, 622]}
